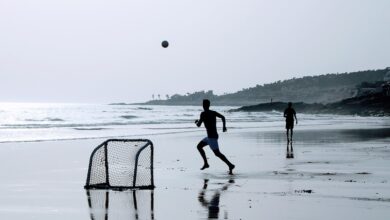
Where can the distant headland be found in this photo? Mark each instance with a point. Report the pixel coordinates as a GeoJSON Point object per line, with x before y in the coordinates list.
{"type": "Point", "coordinates": [367, 105]}
{"type": "Point", "coordinates": [362, 93]}
{"type": "Point", "coordinates": [323, 89]}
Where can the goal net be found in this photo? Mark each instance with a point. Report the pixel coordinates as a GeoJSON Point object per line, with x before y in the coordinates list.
{"type": "Point", "coordinates": [121, 164]}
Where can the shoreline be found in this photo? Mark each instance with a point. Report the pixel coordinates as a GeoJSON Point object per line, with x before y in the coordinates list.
{"type": "Point", "coordinates": [306, 122]}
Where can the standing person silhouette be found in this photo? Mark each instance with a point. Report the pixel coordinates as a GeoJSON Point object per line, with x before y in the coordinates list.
{"type": "Point", "coordinates": [210, 122]}
{"type": "Point", "coordinates": [290, 114]}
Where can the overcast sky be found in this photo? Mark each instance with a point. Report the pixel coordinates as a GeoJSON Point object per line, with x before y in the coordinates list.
{"type": "Point", "coordinates": [110, 50]}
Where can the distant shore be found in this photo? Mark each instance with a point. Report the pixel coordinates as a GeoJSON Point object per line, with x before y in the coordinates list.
{"type": "Point", "coordinates": [370, 105]}
{"type": "Point", "coordinates": [323, 89]}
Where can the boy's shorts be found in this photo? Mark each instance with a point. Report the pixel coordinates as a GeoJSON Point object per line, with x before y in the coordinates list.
{"type": "Point", "coordinates": [212, 142]}
{"type": "Point", "coordinates": [289, 124]}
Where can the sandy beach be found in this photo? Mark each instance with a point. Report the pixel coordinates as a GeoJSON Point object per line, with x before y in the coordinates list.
{"type": "Point", "coordinates": [335, 174]}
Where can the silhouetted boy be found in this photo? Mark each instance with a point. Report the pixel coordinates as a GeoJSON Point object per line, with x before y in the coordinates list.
{"type": "Point", "coordinates": [210, 122]}
{"type": "Point", "coordinates": [290, 114]}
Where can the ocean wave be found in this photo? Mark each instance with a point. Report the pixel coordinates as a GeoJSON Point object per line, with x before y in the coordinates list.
{"type": "Point", "coordinates": [119, 103]}
{"type": "Point", "coordinates": [144, 108]}
{"type": "Point", "coordinates": [173, 128]}
{"type": "Point", "coordinates": [34, 126]}
{"type": "Point", "coordinates": [44, 119]}
{"type": "Point", "coordinates": [128, 116]}
{"type": "Point", "coordinates": [90, 129]}
{"type": "Point", "coordinates": [77, 125]}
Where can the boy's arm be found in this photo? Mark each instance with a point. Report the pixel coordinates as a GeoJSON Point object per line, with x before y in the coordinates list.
{"type": "Point", "coordinates": [199, 122]}
{"type": "Point", "coordinates": [223, 121]}
{"type": "Point", "coordinates": [296, 119]}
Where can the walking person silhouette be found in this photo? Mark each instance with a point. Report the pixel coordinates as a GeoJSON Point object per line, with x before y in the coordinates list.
{"type": "Point", "coordinates": [290, 114]}
{"type": "Point", "coordinates": [209, 118]}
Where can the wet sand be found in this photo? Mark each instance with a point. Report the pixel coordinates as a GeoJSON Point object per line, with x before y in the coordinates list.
{"type": "Point", "coordinates": [334, 174]}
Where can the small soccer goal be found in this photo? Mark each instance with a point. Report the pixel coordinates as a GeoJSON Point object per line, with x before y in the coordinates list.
{"type": "Point", "coordinates": [121, 164]}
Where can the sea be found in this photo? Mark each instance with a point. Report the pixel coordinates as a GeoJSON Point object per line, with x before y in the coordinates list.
{"type": "Point", "coordinates": [22, 122]}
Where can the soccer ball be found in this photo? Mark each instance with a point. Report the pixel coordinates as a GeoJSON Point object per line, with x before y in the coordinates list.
{"type": "Point", "coordinates": [165, 44]}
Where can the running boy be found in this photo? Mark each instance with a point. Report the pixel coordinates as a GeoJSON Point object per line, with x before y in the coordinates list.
{"type": "Point", "coordinates": [209, 118]}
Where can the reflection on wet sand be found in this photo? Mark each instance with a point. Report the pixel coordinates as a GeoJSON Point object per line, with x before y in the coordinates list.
{"type": "Point", "coordinates": [289, 150]}
{"type": "Point", "coordinates": [212, 205]}
{"type": "Point", "coordinates": [121, 205]}
{"type": "Point", "coordinates": [321, 136]}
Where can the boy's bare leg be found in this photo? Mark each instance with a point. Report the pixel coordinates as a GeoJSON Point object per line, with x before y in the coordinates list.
{"type": "Point", "coordinates": [200, 147]}
{"type": "Point", "coordinates": [287, 133]}
{"type": "Point", "coordinates": [291, 134]}
{"type": "Point", "coordinates": [224, 159]}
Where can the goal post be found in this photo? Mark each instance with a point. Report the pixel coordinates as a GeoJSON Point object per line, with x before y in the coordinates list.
{"type": "Point", "coordinates": [121, 164]}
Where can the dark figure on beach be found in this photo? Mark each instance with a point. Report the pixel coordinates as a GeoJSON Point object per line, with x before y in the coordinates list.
{"type": "Point", "coordinates": [210, 122]}
{"type": "Point", "coordinates": [213, 204]}
{"type": "Point", "coordinates": [290, 114]}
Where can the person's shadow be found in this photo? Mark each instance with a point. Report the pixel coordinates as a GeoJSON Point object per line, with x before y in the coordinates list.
{"type": "Point", "coordinates": [289, 150]}
{"type": "Point", "coordinates": [213, 204]}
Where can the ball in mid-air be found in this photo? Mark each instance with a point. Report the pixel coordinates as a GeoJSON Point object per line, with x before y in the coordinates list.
{"type": "Point", "coordinates": [165, 44]}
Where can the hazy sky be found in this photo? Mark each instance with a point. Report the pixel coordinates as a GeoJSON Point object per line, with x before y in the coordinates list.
{"type": "Point", "coordinates": [110, 50]}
